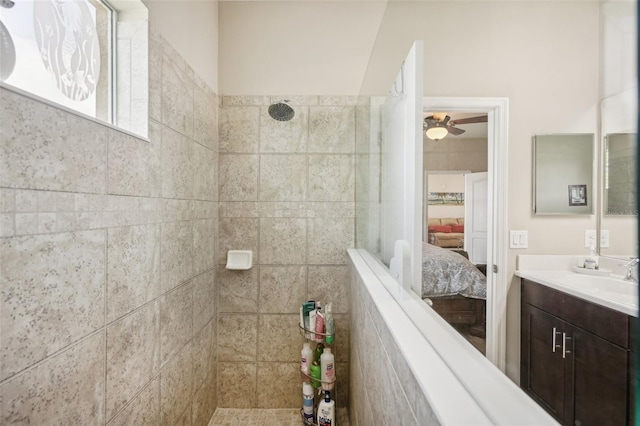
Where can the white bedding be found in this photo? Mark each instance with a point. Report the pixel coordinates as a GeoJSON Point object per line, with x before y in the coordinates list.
{"type": "Point", "coordinates": [447, 273]}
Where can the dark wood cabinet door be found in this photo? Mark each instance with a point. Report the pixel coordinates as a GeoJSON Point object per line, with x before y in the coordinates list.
{"type": "Point", "coordinates": [598, 371]}
{"type": "Point", "coordinates": [542, 369]}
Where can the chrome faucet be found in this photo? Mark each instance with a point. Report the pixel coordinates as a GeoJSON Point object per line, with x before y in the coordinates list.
{"type": "Point", "coordinates": [630, 266]}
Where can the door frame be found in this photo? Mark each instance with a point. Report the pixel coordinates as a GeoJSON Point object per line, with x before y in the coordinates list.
{"type": "Point", "coordinates": [497, 110]}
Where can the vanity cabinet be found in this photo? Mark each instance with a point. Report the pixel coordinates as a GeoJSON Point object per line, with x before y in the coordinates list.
{"type": "Point", "coordinates": [575, 357]}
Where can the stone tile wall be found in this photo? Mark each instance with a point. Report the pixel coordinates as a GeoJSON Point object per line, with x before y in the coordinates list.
{"type": "Point", "coordinates": [108, 254]}
{"type": "Point", "coordinates": [286, 191]}
{"type": "Point", "coordinates": [384, 390]}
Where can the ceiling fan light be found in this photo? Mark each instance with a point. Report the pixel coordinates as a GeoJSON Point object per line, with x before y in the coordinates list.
{"type": "Point", "coordinates": [436, 133]}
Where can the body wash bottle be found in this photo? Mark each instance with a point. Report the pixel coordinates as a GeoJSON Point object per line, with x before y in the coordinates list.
{"type": "Point", "coordinates": [305, 361]}
{"type": "Point", "coordinates": [327, 369]}
{"type": "Point", "coordinates": [328, 324]}
{"type": "Point", "coordinates": [307, 402]}
{"type": "Point", "coordinates": [327, 411]}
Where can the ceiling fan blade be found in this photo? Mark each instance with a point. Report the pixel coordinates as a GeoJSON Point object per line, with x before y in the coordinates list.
{"type": "Point", "coordinates": [455, 131]}
{"type": "Point", "coordinates": [470, 120]}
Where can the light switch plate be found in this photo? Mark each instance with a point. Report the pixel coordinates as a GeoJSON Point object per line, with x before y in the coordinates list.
{"type": "Point", "coordinates": [518, 239]}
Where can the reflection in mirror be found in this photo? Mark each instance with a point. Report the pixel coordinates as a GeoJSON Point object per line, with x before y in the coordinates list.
{"type": "Point", "coordinates": [563, 174]}
{"type": "Point", "coordinates": [620, 179]}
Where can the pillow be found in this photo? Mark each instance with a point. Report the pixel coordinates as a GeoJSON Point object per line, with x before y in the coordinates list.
{"type": "Point", "coordinates": [440, 228]}
{"type": "Point", "coordinates": [457, 228]}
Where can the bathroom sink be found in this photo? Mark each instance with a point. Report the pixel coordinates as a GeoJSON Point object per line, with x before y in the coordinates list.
{"type": "Point", "coordinates": [610, 291]}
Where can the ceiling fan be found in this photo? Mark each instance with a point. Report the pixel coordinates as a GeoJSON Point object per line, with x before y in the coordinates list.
{"type": "Point", "coordinates": [439, 125]}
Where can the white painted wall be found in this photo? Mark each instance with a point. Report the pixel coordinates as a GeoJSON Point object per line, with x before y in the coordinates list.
{"type": "Point", "coordinates": [298, 47]}
{"type": "Point", "coordinates": [191, 27]}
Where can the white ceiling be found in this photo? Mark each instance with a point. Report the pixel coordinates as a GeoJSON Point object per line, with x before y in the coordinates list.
{"type": "Point", "coordinates": [472, 131]}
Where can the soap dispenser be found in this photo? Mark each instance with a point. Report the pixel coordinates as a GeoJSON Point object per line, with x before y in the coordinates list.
{"type": "Point", "coordinates": [591, 262]}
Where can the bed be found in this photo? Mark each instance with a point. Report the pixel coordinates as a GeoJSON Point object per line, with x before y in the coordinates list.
{"type": "Point", "coordinates": [454, 285]}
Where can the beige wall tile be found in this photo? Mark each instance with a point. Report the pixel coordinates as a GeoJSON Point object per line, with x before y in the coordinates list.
{"type": "Point", "coordinates": [204, 173]}
{"type": "Point", "coordinates": [65, 389]}
{"type": "Point", "coordinates": [284, 136]}
{"type": "Point", "coordinates": [230, 101]}
{"type": "Point", "coordinates": [71, 150]}
{"type": "Point", "coordinates": [56, 284]}
{"type": "Point", "coordinates": [176, 387]}
{"type": "Point", "coordinates": [176, 321]}
{"type": "Point", "coordinates": [279, 338]}
{"type": "Point", "coordinates": [204, 401]}
{"type": "Point", "coordinates": [134, 164]}
{"type": "Point", "coordinates": [203, 360]}
{"type": "Point", "coordinates": [237, 337]}
{"type": "Point", "coordinates": [133, 355]}
{"type": "Point", "coordinates": [144, 410]}
{"type": "Point", "coordinates": [329, 239]}
{"type": "Point", "coordinates": [332, 129]}
{"type": "Point", "coordinates": [155, 74]}
{"type": "Point", "coordinates": [177, 95]}
{"type": "Point", "coordinates": [283, 177]}
{"type": "Point", "coordinates": [176, 258]}
{"type": "Point", "coordinates": [238, 177]}
{"type": "Point", "coordinates": [279, 385]}
{"type": "Point", "coordinates": [236, 384]}
{"type": "Point", "coordinates": [204, 245]}
{"type": "Point", "coordinates": [177, 165]}
{"type": "Point", "coordinates": [133, 262]}
{"type": "Point", "coordinates": [283, 241]}
{"type": "Point", "coordinates": [204, 298]}
{"type": "Point", "coordinates": [205, 118]}
{"type": "Point", "coordinates": [331, 177]}
{"type": "Point", "coordinates": [330, 284]}
{"type": "Point", "coordinates": [282, 289]}
{"type": "Point", "coordinates": [239, 129]}
{"type": "Point", "coordinates": [237, 234]}
{"type": "Point", "coordinates": [237, 290]}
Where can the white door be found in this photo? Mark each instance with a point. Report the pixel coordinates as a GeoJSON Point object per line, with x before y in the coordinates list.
{"type": "Point", "coordinates": [475, 216]}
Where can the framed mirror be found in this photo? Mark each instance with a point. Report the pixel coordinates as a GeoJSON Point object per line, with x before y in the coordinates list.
{"type": "Point", "coordinates": [563, 174]}
{"type": "Point", "coordinates": [620, 179]}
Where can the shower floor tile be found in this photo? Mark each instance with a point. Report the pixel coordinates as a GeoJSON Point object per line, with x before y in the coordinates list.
{"type": "Point", "coordinates": [265, 417]}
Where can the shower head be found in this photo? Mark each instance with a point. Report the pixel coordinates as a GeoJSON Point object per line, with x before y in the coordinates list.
{"type": "Point", "coordinates": [281, 111]}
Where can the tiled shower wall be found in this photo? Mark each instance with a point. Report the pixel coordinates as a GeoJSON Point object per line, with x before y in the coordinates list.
{"type": "Point", "coordinates": [286, 191]}
{"type": "Point", "coordinates": [384, 390]}
{"type": "Point", "coordinates": [108, 253]}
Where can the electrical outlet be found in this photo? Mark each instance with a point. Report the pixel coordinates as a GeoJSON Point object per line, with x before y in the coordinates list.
{"type": "Point", "coordinates": [604, 238]}
{"type": "Point", "coordinates": [590, 238]}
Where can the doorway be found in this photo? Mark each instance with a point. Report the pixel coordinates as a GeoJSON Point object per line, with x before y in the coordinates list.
{"type": "Point", "coordinates": [497, 169]}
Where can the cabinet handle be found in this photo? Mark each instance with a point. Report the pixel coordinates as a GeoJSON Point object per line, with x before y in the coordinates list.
{"type": "Point", "coordinates": [553, 340]}
{"type": "Point", "coordinates": [564, 345]}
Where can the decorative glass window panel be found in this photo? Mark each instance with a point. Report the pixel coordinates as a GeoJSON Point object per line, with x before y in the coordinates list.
{"type": "Point", "coordinates": [61, 52]}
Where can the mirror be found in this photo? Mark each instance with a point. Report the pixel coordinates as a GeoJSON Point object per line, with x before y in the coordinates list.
{"type": "Point", "coordinates": [563, 174]}
{"type": "Point", "coordinates": [620, 175]}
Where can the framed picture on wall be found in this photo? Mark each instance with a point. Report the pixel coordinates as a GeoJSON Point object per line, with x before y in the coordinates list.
{"type": "Point", "coordinates": [577, 195]}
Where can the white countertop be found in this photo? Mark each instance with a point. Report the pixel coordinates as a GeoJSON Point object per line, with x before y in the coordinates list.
{"type": "Point", "coordinates": [611, 292]}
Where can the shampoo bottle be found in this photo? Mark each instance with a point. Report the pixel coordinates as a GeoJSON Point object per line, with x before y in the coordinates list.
{"type": "Point", "coordinates": [314, 368]}
{"type": "Point", "coordinates": [319, 325]}
{"type": "Point", "coordinates": [305, 361]}
{"type": "Point", "coordinates": [328, 324]}
{"type": "Point", "coordinates": [327, 411]}
{"type": "Point", "coordinates": [327, 370]}
{"type": "Point", "coordinates": [307, 402]}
